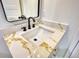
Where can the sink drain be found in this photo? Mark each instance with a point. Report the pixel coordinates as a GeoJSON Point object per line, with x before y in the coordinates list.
{"type": "Point", "coordinates": [35, 39]}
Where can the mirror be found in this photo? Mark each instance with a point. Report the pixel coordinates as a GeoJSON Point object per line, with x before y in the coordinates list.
{"type": "Point", "coordinates": [17, 10]}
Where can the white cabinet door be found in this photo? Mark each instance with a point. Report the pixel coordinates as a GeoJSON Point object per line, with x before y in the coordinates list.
{"type": "Point", "coordinates": [75, 53]}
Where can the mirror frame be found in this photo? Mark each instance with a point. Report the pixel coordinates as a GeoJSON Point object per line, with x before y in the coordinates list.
{"type": "Point", "coordinates": [21, 19]}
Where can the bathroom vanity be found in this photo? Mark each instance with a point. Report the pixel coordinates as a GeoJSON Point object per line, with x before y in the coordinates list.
{"type": "Point", "coordinates": [36, 42]}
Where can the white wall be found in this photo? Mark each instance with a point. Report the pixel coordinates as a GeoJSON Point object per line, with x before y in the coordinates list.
{"type": "Point", "coordinates": [66, 11]}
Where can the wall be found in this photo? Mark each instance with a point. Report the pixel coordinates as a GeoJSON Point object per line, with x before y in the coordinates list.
{"type": "Point", "coordinates": [66, 11]}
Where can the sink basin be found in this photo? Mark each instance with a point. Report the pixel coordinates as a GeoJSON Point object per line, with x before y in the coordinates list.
{"type": "Point", "coordinates": [36, 42]}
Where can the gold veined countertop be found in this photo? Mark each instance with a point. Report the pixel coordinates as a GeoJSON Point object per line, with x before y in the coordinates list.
{"type": "Point", "coordinates": [22, 44]}
{"type": "Point", "coordinates": [18, 44]}
{"type": "Point", "coordinates": [21, 47]}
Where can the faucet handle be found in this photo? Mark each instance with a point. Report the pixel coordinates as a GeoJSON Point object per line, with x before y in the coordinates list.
{"type": "Point", "coordinates": [24, 28]}
{"type": "Point", "coordinates": [33, 25]}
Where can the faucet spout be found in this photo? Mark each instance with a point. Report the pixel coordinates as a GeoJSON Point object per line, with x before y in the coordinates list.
{"type": "Point", "coordinates": [29, 20]}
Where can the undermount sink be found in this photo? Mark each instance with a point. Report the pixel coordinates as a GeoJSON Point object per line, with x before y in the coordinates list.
{"type": "Point", "coordinates": [36, 42]}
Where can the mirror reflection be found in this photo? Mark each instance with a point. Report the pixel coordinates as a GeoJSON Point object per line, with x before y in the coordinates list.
{"type": "Point", "coordinates": [16, 10]}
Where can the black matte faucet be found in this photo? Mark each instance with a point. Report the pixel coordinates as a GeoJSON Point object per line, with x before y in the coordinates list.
{"type": "Point", "coordinates": [29, 20]}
